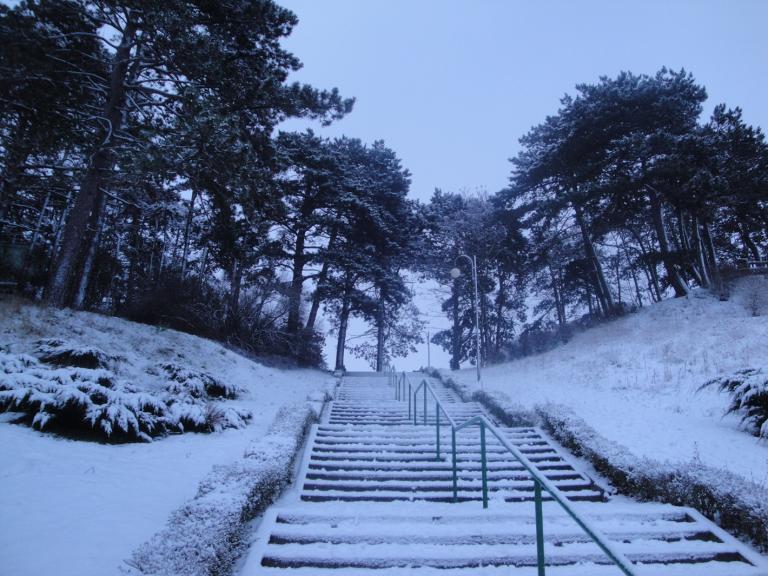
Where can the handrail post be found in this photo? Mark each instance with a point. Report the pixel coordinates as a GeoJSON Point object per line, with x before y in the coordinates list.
{"type": "Point", "coordinates": [539, 526]}
{"type": "Point", "coordinates": [414, 405]}
{"type": "Point", "coordinates": [437, 427]}
{"type": "Point", "coordinates": [483, 464]}
{"type": "Point", "coordinates": [455, 475]}
{"type": "Point", "coordinates": [409, 400]}
{"type": "Point", "coordinates": [425, 405]}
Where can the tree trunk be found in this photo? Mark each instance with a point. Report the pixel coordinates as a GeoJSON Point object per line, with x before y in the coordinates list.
{"type": "Point", "coordinates": [60, 228]}
{"type": "Point", "coordinates": [501, 302]}
{"type": "Point", "coordinates": [341, 342]}
{"type": "Point", "coordinates": [236, 276]}
{"type": "Point", "coordinates": [681, 227]}
{"type": "Point", "coordinates": [187, 229]}
{"type": "Point", "coordinates": [483, 328]}
{"type": "Point", "coordinates": [691, 245]}
{"type": "Point", "coordinates": [297, 283]}
{"type": "Point", "coordinates": [649, 268]}
{"type": "Point", "coordinates": [673, 274]}
{"type": "Point", "coordinates": [16, 156]}
{"type": "Point", "coordinates": [203, 266]}
{"type": "Point", "coordinates": [633, 272]}
{"type": "Point", "coordinates": [321, 277]}
{"type": "Point", "coordinates": [64, 273]}
{"type": "Point", "coordinates": [36, 235]}
{"type": "Point", "coordinates": [94, 238]}
{"type": "Point", "coordinates": [456, 331]}
{"type": "Point", "coordinates": [380, 336]}
{"type": "Point", "coordinates": [697, 248]}
{"type": "Point", "coordinates": [602, 291]}
{"type": "Point", "coordinates": [133, 255]}
{"type": "Point", "coordinates": [749, 244]}
{"type": "Point", "coordinates": [559, 303]}
{"type": "Point", "coordinates": [711, 257]}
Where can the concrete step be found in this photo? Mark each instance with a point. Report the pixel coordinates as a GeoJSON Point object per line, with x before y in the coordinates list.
{"type": "Point", "coordinates": [665, 539]}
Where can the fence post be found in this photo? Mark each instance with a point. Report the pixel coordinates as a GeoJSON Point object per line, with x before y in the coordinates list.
{"type": "Point", "coordinates": [437, 427]}
{"type": "Point", "coordinates": [409, 401]}
{"type": "Point", "coordinates": [539, 527]}
{"type": "Point", "coordinates": [483, 465]}
{"type": "Point", "coordinates": [414, 405]}
{"type": "Point", "coordinates": [455, 475]}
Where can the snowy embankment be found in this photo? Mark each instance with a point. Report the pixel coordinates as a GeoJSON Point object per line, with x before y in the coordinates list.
{"type": "Point", "coordinates": [626, 395]}
{"type": "Point", "coordinates": [72, 507]}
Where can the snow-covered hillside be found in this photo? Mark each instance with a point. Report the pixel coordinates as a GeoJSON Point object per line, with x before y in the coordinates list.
{"type": "Point", "coordinates": [73, 507]}
{"type": "Point", "coordinates": [636, 380]}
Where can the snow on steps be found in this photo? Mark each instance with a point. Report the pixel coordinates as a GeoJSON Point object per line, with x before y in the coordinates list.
{"type": "Point", "coordinates": [374, 498]}
{"type": "Point", "coordinates": [405, 537]}
{"type": "Point", "coordinates": [377, 463]}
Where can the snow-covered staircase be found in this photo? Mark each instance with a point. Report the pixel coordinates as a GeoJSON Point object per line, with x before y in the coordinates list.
{"type": "Point", "coordinates": [373, 498]}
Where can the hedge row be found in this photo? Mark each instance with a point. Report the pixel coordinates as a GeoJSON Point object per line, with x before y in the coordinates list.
{"type": "Point", "coordinates": [207, 534]}
{"type": "Point", "coordinates": [734, 503]}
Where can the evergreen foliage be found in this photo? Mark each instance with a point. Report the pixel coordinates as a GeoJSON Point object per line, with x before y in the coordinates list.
{"type": "Point", "coordinates": [748, 391]}
{"type": "Point", "coordinates": [142, 174]}
{"type": "Point", "coordinates": [152, 184]}
{"type": "Point", "coordinates": [618, 199]}
{"type": "Point", "coordinates": [94, 403]}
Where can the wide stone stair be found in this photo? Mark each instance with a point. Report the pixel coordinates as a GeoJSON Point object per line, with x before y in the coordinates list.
{"type": "Point", "coordinates": [373, 497]}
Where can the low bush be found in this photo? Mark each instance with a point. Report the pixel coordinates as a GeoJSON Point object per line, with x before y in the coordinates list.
{"type": "Point", "coordinates": [62, 353]}
{"type": "Point", "coordinates": [196, 384]}
{"type": "Point", "coordinates": [206, 535]}
{"type": "Point", "coordinates": [497, 405]}
{"type": "Point", "coordinates": [748, 390]}
{"type": "Point", "coordinates": [736, 504]}
{"type": "Point", "coordinates": [93, 403]}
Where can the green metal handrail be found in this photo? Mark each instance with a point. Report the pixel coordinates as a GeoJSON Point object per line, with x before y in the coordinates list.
{"type": "Point", "coordinates": [540, 481]}
{"type": "Point", "coordinates": [438, 408]}
{"type": "Point", "coordinates": [399, 383]}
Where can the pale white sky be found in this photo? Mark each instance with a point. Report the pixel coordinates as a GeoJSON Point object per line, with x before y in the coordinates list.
{"type": "Point", "coordinates": [451, 85]}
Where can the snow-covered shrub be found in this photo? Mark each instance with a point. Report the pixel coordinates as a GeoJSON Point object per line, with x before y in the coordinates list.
{"type": "Point", "coordinates": [95, 404]}
{"type": "Point", "coordinates": [61, 353]}
{"type": "Point", "coordinates": [206, 535]}
{"type": "Point", "coordinates": [748, 390]}
{"type": "Point", "coordinates": [736, 504]}
{"type": "Point", "coordinates": [195, 383]}
{"type": "Point", "coordinates": [498, 404]}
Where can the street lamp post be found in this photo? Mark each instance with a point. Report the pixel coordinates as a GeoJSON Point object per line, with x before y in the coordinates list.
{"type": "Point", "coordinates": [455, 273]}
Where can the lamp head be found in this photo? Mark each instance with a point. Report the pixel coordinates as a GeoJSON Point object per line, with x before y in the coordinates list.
{"type": "Point", "coordinates": [455, 273]}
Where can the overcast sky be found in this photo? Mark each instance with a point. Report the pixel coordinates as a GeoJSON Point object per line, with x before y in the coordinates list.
{"type": "Point", "coordinates": [451, 85]}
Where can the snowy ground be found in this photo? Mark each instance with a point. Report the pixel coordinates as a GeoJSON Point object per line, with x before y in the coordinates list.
{"type": "Point", "coordinates": [635, 380]}
{"type": "Point", "coordinates": [72, 507]}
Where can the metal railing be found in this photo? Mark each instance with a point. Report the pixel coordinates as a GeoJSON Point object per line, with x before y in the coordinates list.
{"type": "Point", "coordinates": [540, 482]}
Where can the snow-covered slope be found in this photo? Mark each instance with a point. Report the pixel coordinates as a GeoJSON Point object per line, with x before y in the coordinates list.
{"type": "Point", "coordinates": [635, 381]}
{"type": "Point", "coordinates": [72, 507]}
